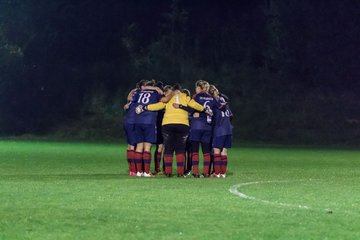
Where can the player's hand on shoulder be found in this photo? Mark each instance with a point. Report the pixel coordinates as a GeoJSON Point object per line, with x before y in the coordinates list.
{"type": "Point", "coordinates": [196, 114]}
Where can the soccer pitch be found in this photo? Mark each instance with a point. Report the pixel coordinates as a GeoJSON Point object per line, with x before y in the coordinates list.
{"type": "Point", "coordinates": [55, 190]}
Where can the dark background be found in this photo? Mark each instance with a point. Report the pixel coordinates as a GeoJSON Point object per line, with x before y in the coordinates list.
{"type": "Point", "coordinates": [290, 68]}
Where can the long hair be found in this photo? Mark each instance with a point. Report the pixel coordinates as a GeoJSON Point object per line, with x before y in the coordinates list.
{"type": "Point", "coordinates": [204, 85]}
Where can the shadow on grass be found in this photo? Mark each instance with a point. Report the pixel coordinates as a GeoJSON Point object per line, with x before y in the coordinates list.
{"type": "Point", "coordinates": [70, 176]}
{"type": "Point", "coordinates": [81, 176]}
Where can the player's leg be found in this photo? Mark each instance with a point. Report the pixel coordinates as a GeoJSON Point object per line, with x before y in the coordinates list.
{"type": "Point", "coordinates": [182, 132]}
{"type": "Point", "coordinates": [139, 158]}
{"type": "Point", "coordinates": [195, 136]}
{"type": "Point", "coordinates": [218, 145]}
{"type": "Point", "coordinates": [195, 157]}
{"type": "Point", "coordinates": [157, 157]}
{"type": "Point", "coordinates": [206, 148]}
{"type": "Point", "coordinates": [224, 161]}
{"type": "Point", "coordinates": [130, 155]}
{"type": "Point", "coordinates": [150, 138]}
{"type": "Point", "coordinates": [188, 158]}
{"type": "Point", "coordinates": [129, 130]}
{"type": "Point", "coordinates": [169, 148]}
{"type": "Point", "coordinates": [139, 134]}
{"type": "Point", "coordinates": [147, 159]}
{"type": "Point", "coordinates": [224, 154]}
{"type": "Point", "coordinates": [217, 162]}
{"type": "Point", "coordinates": [159, 149]}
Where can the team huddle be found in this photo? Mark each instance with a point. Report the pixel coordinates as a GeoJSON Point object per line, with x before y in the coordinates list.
{"type": "Point", "coordinates": [166, 116]}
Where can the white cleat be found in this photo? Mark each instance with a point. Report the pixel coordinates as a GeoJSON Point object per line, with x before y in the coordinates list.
{"type": "Point", "coordinates": [214, 175]}
{"type": "Point", "coordinates": [139, 174]}
{"type": "Point", "coordinates": [147, 174]}
{"type": "Point", "coordinates": [223, 175]}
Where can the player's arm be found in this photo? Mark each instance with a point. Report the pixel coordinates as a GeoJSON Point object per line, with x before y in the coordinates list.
{"type": "Point", "coordinates": [194, 110]}
{"type": "Point", "coordinates": [130, 95]}
{"type": "Point", "coordinates": [151, 107]}
{"type": "Point", "coordinates": [155, 106]}
{"type": "Point", "coordinates": [127, 105]}
{"type": "Point", "coordinates": [191, 107]}
{"type": "Point", "coordinates": [193, 104]}
{"type": "Point", "coordinates": [185, 108]}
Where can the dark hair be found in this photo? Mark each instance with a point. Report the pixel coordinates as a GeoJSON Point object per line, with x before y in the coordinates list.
{"type": "Point", "coordinates": [160, 85]}
{"type": "Point", "coordinates": [150, 83]}
{"type": "Point", "coordinates": [186, 91]}
{"type": "Point", "coordinates": [176, 86]}
{"type": "Point", "coordinates": [141, 83]}
{"type": "Point", "coordinates": [213, 89]}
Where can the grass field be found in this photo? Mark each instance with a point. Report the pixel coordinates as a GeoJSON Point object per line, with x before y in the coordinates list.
{"type": "Point", "coordinates": [55, 190]}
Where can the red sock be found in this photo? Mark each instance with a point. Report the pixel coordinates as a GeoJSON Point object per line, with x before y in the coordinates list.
{"type": "Point", "coordinates": [132, 160]}
{"type": "Point", "coordinates": [224, 164]}
{"type": "Point", "coordinates": [128, 159]}
{"type": "Point", "coordinates": [217, 163]}
{"type": "Point", "coordinates": [206, 169]}
{"type": "Point", "coordinates": [157, 161]}
{"type": "Point", "coordinates": [138, 161]}
{"type": "Point", "coordinates": [147, 161]}
{"type": "Point", "coordinates": [195, 162]}
{"type": "Point", "coordinates": [180, 159]}
{"type": "Point", "coordinates": [168, 163]}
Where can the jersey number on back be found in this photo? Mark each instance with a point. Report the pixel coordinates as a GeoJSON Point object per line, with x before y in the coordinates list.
{"type": "Point", "coordinates": [144, 98]}
{"type": "Point", "coordinates": [225, 114]}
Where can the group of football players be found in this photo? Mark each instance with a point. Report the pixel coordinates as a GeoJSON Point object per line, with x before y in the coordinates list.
{"type": "Point", "coordinates": [166, 116]}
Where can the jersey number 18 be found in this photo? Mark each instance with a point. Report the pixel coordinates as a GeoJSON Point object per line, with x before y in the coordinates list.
{"type": "Point", "coordinates": [144, 98]}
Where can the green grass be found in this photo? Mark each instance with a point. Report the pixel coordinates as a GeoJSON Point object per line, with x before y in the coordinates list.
{"type": "Point", "coordinates": [52, 190]}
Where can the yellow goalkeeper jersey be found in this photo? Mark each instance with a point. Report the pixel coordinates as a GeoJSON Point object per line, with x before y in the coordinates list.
{"type": "Point", "coordinates": [176, 115]}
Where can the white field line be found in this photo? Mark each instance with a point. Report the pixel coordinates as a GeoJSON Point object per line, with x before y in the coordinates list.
{"type": "Point", "coordinates": [235, 190]}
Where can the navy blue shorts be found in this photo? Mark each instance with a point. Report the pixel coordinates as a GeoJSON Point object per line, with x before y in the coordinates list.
{"type": "Point", "coordinates": [222, 141]}
{"type": "Point", "coordinates": [200, 136]}
{"type": "Point", "coordinates": [129, 130]}
{"type": "Point", "coordinates": [145, 133]}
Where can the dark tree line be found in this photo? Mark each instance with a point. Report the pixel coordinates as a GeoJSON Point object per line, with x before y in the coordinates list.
{"type": "Point", "coordinates": [290, 68]}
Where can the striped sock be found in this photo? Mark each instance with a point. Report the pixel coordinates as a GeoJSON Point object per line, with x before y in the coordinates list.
{"type": "Point", "coordinates": [147, 161]}
{"type": "Point", "coordinates": [138, 161]}
{"type": "Point", "coordinates": [217, 163]}
{"type": "Point", "coordinates": [128, 157]}
{"type": "Point", "coordinates": [206, 169]}
{"type": "Point", "coordinates": [195, 162]}
{"type": "Point", "coordinates": [157, 160]}
{"type": "Point", "coordinates": [132, 161]}
{"type": "Point", "coordinates": [224, 161]}
{"type": "Point", "coordinates": [180, 159]}
{"type": "Point", "coordinates": [168, 163]}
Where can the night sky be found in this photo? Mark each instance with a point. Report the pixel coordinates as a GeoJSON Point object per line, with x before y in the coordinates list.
{"type": "Point", "coordinates": [290, 68]}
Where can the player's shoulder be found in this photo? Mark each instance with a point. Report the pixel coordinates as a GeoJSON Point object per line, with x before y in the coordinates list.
{"type": "Point", "coordinates": [195, 95]}
{"type": "Point", "coordinates": [221, 100]}
{"type": "Point", "coordinates": [148, 91]}
{"type": "Point", "coordinates": [206, 96]}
